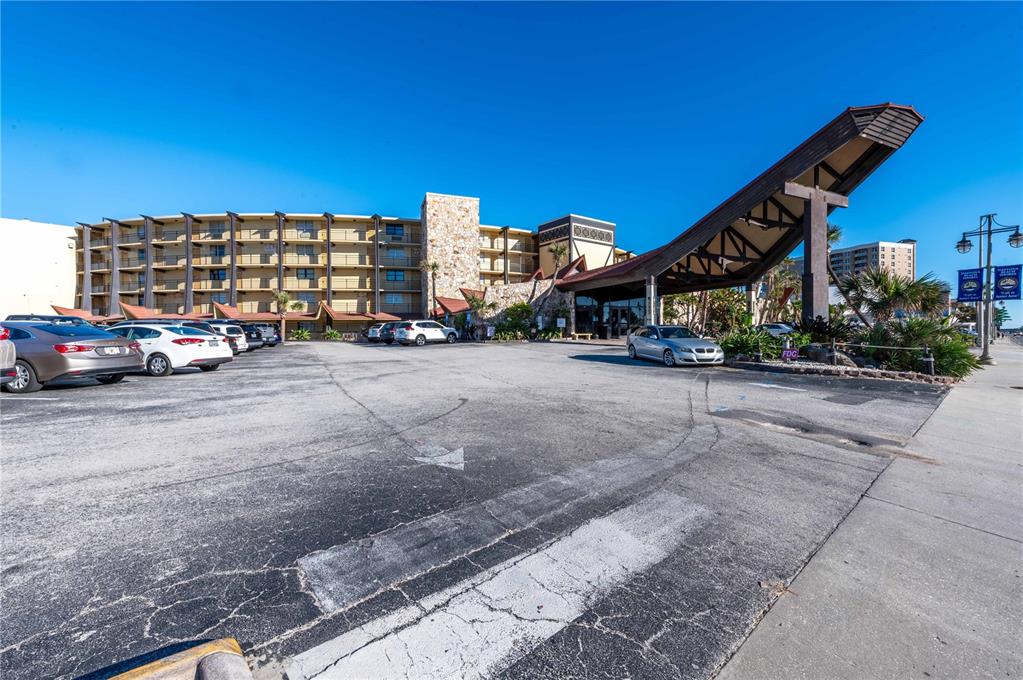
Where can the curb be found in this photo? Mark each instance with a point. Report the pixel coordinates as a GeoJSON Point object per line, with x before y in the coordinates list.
{"type": "Point", "coordinates": [846, 372]}
{"type": "Point", "coordinates": [218, 660]}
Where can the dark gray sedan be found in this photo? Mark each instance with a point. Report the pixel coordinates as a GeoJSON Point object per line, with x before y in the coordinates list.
{"type": "Point", "coordinates": [673, 345]}
{"type": "Point", "coordinates": [49, 351]}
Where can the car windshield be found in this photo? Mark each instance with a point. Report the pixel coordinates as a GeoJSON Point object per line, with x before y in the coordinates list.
{"type": "Point", "coordinates": [675, 332]}
{"type": "Point", "coordinates": [234, 330]}
{"type": "Point", "coordinates": [74, 331]}
{"type": "Point", "coordinates": [188, 330]}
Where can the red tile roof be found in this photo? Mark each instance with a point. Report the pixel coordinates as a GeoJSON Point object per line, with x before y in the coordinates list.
{"type": "Point", "coordinates": [342, 316]}
{"type": "Point", "coordinates": [451, 305]}
{"type": "Point", "coordinates": [229, 312]}
{"type": "Point", "coordinates": [470, 293]}
{"type": "Point", "coordinates": [80, 313]}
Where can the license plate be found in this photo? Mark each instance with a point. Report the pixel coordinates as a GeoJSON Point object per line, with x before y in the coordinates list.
{"type": "Point", "coordinates": [213, 343]}
{"type": "Point", "coordinates": [111, 350]}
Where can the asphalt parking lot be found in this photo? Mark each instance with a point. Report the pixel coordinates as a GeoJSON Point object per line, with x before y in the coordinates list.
{"type": "Point", "coordinates": [519, 510]}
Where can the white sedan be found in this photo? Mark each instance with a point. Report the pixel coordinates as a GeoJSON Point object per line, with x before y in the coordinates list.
{"type": "Point", "coordinates": [170, 347]}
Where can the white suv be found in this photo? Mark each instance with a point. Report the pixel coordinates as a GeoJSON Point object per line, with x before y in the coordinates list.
{"type": "Point", "coordinates": [422, 332]}
{"type": "Point", "coordinates": [235, 336]}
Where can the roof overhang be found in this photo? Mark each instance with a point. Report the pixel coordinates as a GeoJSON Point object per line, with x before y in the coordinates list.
{"type": "Point", "coordinates": [755, 229]}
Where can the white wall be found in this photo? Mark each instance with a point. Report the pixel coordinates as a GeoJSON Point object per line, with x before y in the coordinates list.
{"type": "Point", "coordinates": [37, 266]}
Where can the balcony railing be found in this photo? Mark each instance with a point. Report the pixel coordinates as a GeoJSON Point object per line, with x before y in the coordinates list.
{"type": "Point", "coordinates": [101, 288]}
{"type": "Point", "coordinates": [399, 261]}
{"type": "Point", "coordinates": [102, 264]}
{"type": "Point", "coordinates": [97, 242]}
{"type": "Point", "coordinates": [169, 260]}
{"type": "Point", "coordinates": [128, 262]}
{"type": "Point", "coordinates": [348, 235]}
{"type": "Point", "coordinates": [257, 234]}
{"type": "Point", "coordinates": [255, 284]}
{"type": "Point", "coordinates": [209, 235]}
{"type": "Point", "coordinates": [210, 259]}
{"type": "Point", "coordinates": [401, 285]}
{"type": "Point", "coordinates": [350, 284]}
{"type": "Point", "coordinates": [169, 235]}
{"type": "Point", "coordinates": [168, 285]}
{"type": "Point", "coordinates": [303, 235]}
{"type": "Point", "coordinates": [407, 237]}
{"type": "Point", "coordinates": [264, 258]}
{"type": "Point", "coordinates": [400, 309]}
{"type": "Point", "coordinates": [342, 259]}
{"type": "Point", "coordinates": [301, 283]}
{"type": "Point", "coordinates": [292, 258]}
{"type": "Point", "coordinates": [206, 284]}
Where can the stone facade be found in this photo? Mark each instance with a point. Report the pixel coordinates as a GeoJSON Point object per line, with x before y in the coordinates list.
{"type": "Point", "coordinates": [532, 292]}
{"type": "Point", "coordinates": [451, 236]}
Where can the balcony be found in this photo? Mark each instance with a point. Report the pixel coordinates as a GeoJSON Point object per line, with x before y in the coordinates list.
{"type": "Point", "coordinates": [413, 285]}
{"type": "Point", "coordinates": [348, 259]}
{"type": "Point", "coordinates": [99, 242]}
{"type": "Point", "coordinates": [100, 288]}
{"type": "Point", "coordinates": [308, 260]}
{"type": "Point", "coordinates": [169, 235]}
{"type": "Point", "coordinates": [169, 261]}
{"type": "Point", "coordinates": [131, 236]}
{"type": "Point", "coordinates": [257, 234]}
{"type": "Point", "coordinates": [210, 259]}
{"type": "Point", "coordinates": [306, 235]}
{"type": "Point", "coordinates": [131, 262]}
{"type": "Point", "coordinates": [209, 236]}
{"type": "Point", "coordinates": [400, 309]}
{"type": "Point", "coordinates": [350, 284]}
{"type": "Point", "coordinates": [407, 237]}
{"type": "Point", "coordinates": [101, 265]}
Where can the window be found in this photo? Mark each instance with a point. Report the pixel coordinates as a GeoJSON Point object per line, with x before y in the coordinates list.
{"type": "Point", "coordinates": [73, 331]}
{"type": "Point", "coordinates": [217, 229]}
{"type": "Point", "coordinates": [395, 253]}
{"type": "Point", "coordinates": [394, 298]}
{"type": "Point", "coordinates": [395, 275]}
{"type": "Point", "coordinates": [218, 251]}
{"type": "Point", "coordinates": [18, 334]}
{"type": "Point", "coordinates": [218, 275]}
{"type": "Point", "coordinates": [140, 233]}
{"type": "Point", "coordinates": [142, 254]}
{"type": "Point", "coordinates": [395, 232]}
{"type": "Point", "coordinates": [305, 228]}
{"type": "Point", "coordinates": [305, 274]}
{"type": "Point", "coordinates": [308, 298]}
{"type": "Point", "coordinates": [219, 297]}
{"type": "Point", "coordinates": [305, 251]}
{"type": "Point", "coordinates": [144, 333]}
{"type": "Point", "coordinates": [306, 326]}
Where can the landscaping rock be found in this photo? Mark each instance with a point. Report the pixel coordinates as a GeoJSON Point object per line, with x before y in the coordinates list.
{"type": "Point", "coordinates": [843, 359]}
{"type": "Point", "coordinates": [817, 352]}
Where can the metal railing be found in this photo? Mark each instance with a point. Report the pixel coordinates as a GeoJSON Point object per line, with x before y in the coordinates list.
{"type": "Point", "coordinates": [257, 234]}
{"type": "Point", "coordinates": [168, 284]}
{"type": "Point", "coordinates": [342, 259]}
{"type": "Point", "coordinates": [127, 262]}
{"type": "Point", "coordinates": [207, 284]}
{"type": "Point", "coordinates": [301, 283]}
{"type": "Point", "coordinates": [93, 266]}
{"type": "Point", "coordinates": [172, 260]}
{"type": "Point", "coordinates": [399, 262]}
{"type": "Point", "coordinates": [350, 284]}
{"type": "Point", "coordinates": [169, 235]}
{"type": "Point", "coordinates": [293, 258]}
{"type": "Point", "coordinates": [254, 284]}
{"type": "Point", "coordinates": [399, 309]}
{"type": "Point", "coordinates": [263, 258]}
{"type": "Point", "coordinates": [412, 284]}
{"type": "Point", "coordinates": [348, 235]}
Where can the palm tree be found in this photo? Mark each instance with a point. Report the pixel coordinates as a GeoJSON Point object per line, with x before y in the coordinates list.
{"type": "Point", "coordinates": [882, 294]}
{"type": "Point", "coordinates": [834, 236]}
{"type": "Point", "coordinates": [479, 306]}
{"type": "Point", "coordinates": [284, 303]}
{"type": "Point", "coordinates": [558, 251]}
{"type": "Point", "coordinates": [431, 268]}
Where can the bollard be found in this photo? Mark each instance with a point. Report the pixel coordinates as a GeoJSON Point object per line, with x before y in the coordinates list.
{"type": "Point", "coordinates": [833, 356]}
{"type": "Point", "coordinates": [928, 361]}
{"type": "Point", "coordinates": [758, 356]}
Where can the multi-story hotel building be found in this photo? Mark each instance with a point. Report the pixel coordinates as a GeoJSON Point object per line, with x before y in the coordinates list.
{"type": "Point", "coordinates": [356, 264]}
{"type": "Point", "coordinates": [895, 257]}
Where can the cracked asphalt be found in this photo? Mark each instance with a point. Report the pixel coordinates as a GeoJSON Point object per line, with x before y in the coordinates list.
{"type": "Point", "coordinates": [286, 501]}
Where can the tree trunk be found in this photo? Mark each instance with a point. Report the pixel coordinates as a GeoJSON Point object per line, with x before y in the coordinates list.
{"type": "Point", "coordinates": [283, 335]}
{"type": "Point", "coordinates": [841, 289]}
{"type": "Point", "coordinates": [433, 294]}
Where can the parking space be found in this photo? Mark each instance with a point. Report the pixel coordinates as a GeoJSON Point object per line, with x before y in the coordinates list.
{"type": "Point", "coordinates": [303, 491]}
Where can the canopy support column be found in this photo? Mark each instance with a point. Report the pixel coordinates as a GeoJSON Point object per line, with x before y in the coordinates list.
{"type": "Point", "coordinates": [651, 308]}
{"type": "Point", "coordinates": [815, 245]}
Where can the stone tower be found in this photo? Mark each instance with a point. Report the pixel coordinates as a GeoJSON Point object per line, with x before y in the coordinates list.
{"type": "Point", "coordinates": [450, 235]}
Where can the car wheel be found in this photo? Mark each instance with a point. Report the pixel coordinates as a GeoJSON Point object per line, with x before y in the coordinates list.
{"type": "Point", "coordinates": [24, 379]}
{"type": "Point", "coordinates": [420, 340]}
{"type": "Point", "coordinates": [669, 358]}
{"type": "Point", "coordinates": [632, 351]}
{"type": "Point", "coordinates": [452, 338]}
{"type": "Point", "coordinates": [388, 342]}
{"type": "Point", "coordinates": [110, 379]}
{"type": "Point", "coordinates": [159, 366]}
{"type": "Point", "coordinates": [211, 367]}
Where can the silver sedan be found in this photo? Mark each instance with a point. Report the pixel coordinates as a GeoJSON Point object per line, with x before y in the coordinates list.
{"type": "Point", "coordinates": [673, 345]}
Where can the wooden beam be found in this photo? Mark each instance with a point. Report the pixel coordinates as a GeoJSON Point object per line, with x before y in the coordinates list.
{"type": "Point", "coordinates": [782, 210]}
{"type": "Point", "coordinates": [810, 193]}
{"type": "Point", "coordinates": [732, 233]}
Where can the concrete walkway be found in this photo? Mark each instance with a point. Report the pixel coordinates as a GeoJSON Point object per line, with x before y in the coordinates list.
{"type": "Point", "coordinates": [923, 578]}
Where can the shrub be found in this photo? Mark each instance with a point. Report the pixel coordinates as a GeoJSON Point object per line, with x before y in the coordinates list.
{"type": "Point", "coordinates": [747, 340]}
{"type": "Point", "coordinates": [300, 334]}
{"type": "Point", "coordinates": [825, 330]}
{"type": "Point", "coordinates": [549, 334]}
{"type": "Point", "coordinates": [952, 357]}
{"type": "Point", "coordinates": [797, 339]}
{"type": "Point", "coordinates": [331, 334]}
{"type": "Point", "coordinates": [951, 352]}
{"type": "Point", "coordinates": [508, 336]}
{"type": "Point", "coordinates": [516, 317]}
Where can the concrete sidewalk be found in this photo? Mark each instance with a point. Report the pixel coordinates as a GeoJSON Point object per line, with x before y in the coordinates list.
{"type": "Point", "coordinates": [923, 578]}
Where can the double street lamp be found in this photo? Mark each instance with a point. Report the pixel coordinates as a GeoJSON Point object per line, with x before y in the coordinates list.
{"type": "Point", "coordinates": [964, 245]}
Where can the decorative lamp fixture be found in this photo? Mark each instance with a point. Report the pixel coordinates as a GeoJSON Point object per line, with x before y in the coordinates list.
{"type": "Point", "coordinates": [964, 245]}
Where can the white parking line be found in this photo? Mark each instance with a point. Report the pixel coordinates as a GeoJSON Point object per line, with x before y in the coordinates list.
{"type": "Point", "coordinates": [484, 624]}
{"type": "Point", "coordinates": [29, 398]}
{"type": "Point", "coordinates": [771, 386]}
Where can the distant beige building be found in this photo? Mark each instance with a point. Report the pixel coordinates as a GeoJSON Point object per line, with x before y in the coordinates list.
{"type": "Point", "coordinates": [895, 257]}
{"type": "Point", "coordinates": [38, 268]}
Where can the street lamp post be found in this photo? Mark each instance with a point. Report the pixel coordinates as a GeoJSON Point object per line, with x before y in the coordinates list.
{"type": "Point", "coordinates": [987, 229]}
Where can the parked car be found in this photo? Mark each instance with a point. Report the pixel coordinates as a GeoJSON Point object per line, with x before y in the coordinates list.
{"type": "Point", "coordinates": [57, 319]}
{"type": "Point", "coordinates": [777, 330]}
{"type": "Point", "coordinates": [166, 348]}
{"type": "Point", "coordinates": [271, 333]}
{"type": "Point", "coordinates": [49, 351]}
{"type": "Point", "coordinates": [386, 331]}
{"type": "Point", "coordinates": [253, 336]}
{"type": "Point", "coordinates": [8, 355]}
{"type": "Point", "coordinates": [674, 345]}
{"type": "Point", "coordinates": [422, 332]}
{"type": "Point", "coordinates": [373, 332]}
{"type": "Point", "coordinates": [198, 325]}
{"type": "Point", "coordinates": [234, 334]}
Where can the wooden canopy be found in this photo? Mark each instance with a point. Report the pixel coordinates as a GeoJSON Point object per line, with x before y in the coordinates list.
{"type": "Point", "coordinates": [755, 229]}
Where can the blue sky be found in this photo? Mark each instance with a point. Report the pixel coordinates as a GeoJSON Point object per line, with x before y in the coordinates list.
{"type": "Point", "coordinates": [647, 115]}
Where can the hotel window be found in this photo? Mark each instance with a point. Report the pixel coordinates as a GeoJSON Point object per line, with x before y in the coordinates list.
{"type": "Point", "coordinates": [394, 298]}
{"type": "Point", "coordinates": [217, 229]}
{"type": "Point", "coordinates": [140, 234]}
{"type": "Point", "coordinates": [305, 228]}
{"type": "Point", "coordinates": [218, 251]}
{"type": "Point", "coordinates": [395, 275]}
{"type": "Point", "coordinates": [305, 274]}
{"type": "Point", "coordinates": [308, 298]}
{"type": "Point", "coordinates": [304, 251]}
{"type": "Point", "coordinates": [219, 297]}
{"type": "Point", "coordinates": [218, 275]}
{"type": "Point", "coordinates": [142, 254]}
{"type": "Point", "coordinates": [395, 232]}
{"type": "Point", "coordinates": [306, 326]}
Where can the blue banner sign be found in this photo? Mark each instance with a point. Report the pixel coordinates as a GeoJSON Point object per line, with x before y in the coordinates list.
{"type": "Point", "coordinates": [1007, 282]}
{"type": "Point", "coordinates": [971, 285]}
